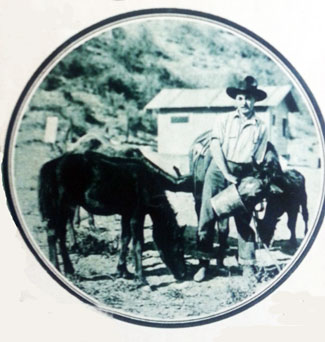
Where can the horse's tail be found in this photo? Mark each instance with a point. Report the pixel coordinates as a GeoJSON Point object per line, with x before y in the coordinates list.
{"type": "Point", "coordinates": [303, 203]}
{"type": "Point", "coordinates": [48, 191]}
{"type": "Point", "coordinates": [297, 183]}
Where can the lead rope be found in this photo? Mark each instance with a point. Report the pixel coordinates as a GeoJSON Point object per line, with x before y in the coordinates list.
{"type": "Point", "coordinates": [274, 261]}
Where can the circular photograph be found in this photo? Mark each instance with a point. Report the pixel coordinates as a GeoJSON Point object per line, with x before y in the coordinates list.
{"type": "Point", "coordinates": [166, 166]}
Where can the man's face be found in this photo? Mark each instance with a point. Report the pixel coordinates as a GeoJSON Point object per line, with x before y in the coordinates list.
{"type": "Point", "coordinates": [245, 104]}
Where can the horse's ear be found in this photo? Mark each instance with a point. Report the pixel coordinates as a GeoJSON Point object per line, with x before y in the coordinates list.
{"type": "Point", "coordinates": [181, 230]}
{"type": "Point", "coordinates": [177, 171]}
{"type": "Point", "coordinates": [275, 190]}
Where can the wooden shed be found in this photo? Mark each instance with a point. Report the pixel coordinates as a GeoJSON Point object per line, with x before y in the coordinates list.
{"type": "Point", "coordinates": [183, 114]}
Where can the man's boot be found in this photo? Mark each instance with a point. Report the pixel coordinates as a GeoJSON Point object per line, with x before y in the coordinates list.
{"type": "Point", "coordinates": [201, 274]}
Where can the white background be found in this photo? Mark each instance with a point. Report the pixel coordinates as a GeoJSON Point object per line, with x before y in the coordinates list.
{"type": "Point", "coordinates": [33, 306]}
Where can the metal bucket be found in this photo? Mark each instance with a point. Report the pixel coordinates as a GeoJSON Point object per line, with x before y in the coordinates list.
{"type": "Point", "coordinates": [227, 202]}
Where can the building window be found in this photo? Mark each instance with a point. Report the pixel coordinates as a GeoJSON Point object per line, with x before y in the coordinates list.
{"type": "Point", "coordinates": [284, 127]}
{"type": "Point", "coordinates": [273, 120]}
{"type": "Point", "coordinates": [179, 119]}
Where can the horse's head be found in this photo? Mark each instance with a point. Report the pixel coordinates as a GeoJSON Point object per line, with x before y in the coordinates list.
{"type": "Point", "coordinates": [168, 237]}
{"type": "Point", "coordinates": [173, 254]}
{"type": "Point", "coordinates": [270, 168]}
{"type": "Point", "coordinates": [265, 228]}
{"type": "Point", "coordinates": [265, 232]}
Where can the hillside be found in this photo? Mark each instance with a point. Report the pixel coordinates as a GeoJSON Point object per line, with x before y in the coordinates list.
{"type": "Point", "coordinates": [109, 79]}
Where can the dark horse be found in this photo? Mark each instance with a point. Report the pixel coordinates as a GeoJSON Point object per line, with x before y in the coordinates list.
{"type": "Point", "coordinates": [285, 194]}
{"type": "Point", "coordinates": [111, 185]}
{"type": "Point", "coordinates": [290, 201]}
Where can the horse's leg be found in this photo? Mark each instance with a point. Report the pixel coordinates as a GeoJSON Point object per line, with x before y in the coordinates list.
{"type": "Point", "coordinates": [76, 216]}
{"type": "Point", "coordinates": [136, 224]}
{"type": "Point", "coordinates": [122, 271]}
{"type": "Point", "coordinates": [68, 268]}
{"type": "Point", "coordinates": [266, 226]}
{"type": "Point", "coordinates": [304, 209]}
{"type": "Point", "coordinates": [51, 239]}
{"type": "Point", "coordinates": [292, 220]}
{"type": "Point", "coordinates": [72, 231]}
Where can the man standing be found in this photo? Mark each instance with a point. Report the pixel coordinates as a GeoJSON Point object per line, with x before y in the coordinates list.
{"type": "Point", "coordinates": [238, 143]}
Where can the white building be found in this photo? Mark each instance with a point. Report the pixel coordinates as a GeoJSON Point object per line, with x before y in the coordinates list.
{"type": "Point", "coordinates": [183, 114]}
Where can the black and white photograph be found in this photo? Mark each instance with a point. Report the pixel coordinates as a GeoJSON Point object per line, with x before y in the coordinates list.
{"type": "Point", "coordinates": [167, 167]}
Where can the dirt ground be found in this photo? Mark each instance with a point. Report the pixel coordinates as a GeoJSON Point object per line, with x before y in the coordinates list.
{"type": "Point", "coordinates": [164, 299]}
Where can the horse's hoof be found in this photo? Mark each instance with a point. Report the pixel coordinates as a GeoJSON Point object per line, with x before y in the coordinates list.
{"type": "Point", "coordinates": [139, 282]}
{"type": "Point", "coordinates": [72, 277]}
{"type": "Point", "coordinates": [74, 248]}
{"type": "Point", "coordinates": [293, 244]}
{"type": "Point", "coordinates": [122, 272]}
{"type": "Point", "coordinates": [125, 274]}
{"type": "Point", "coordinates": [128, 275]}
{"type": "Point", "coordinates": [293, 248]}
{"type": "Point", "coordinates": [69, 271]}
{"type": "Point", "coordinates": [181, 277]}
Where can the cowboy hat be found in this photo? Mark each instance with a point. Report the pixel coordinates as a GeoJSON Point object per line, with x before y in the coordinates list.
{"type": "Point", "coordinates": [248, 87]}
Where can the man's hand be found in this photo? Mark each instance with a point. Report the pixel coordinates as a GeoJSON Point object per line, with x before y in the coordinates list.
{"type": "Point", "coordinates": [202, 235]}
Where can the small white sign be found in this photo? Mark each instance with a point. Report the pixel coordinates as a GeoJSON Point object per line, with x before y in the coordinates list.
{"type": "Point", "coordinates": [51, 129]}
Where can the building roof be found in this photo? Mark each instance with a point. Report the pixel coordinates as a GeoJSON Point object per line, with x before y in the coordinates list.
{"type": "Point", "coordinates": [209, 98]}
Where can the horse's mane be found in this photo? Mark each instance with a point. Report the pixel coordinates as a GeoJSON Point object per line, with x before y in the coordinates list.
{"type": "Point", "coordinates": [271, 148]}
{"type": "Point", "coordinates": [271, 166]}
{"type": "Point", "coordinates": [160, 210]}
{"type": "Point", "coordinates": [136, 157]}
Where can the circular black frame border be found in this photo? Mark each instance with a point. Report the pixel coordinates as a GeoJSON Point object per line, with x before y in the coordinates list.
{"type": "Point", "coordinates": [69, 42]}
